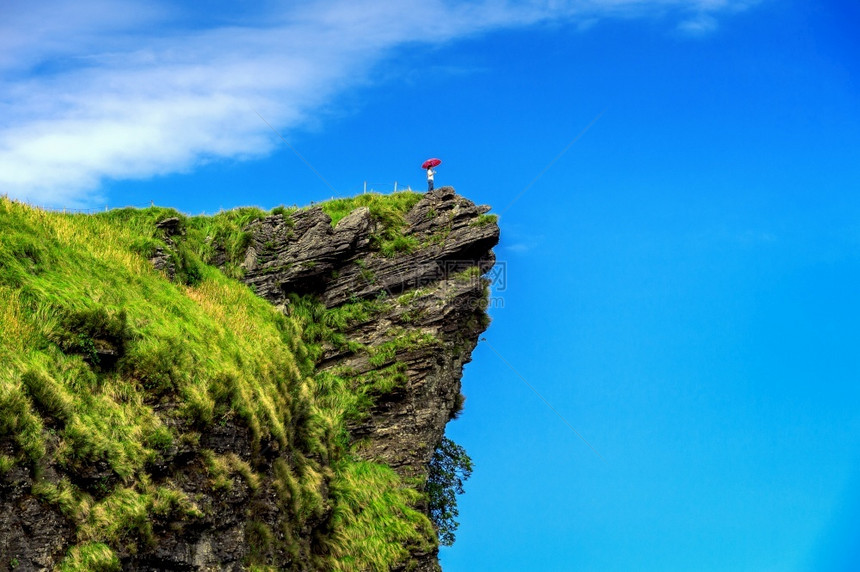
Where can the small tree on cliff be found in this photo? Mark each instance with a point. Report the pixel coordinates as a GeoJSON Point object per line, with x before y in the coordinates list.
{"type": "Point", "coordinates": [449, 468]}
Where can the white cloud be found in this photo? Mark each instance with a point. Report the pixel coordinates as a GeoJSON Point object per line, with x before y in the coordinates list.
{"type": "Point", "coordinates": [137, 91]}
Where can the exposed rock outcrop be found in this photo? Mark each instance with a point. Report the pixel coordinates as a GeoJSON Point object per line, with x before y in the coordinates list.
{"type": "Point", "coordinates": [161, 258]}
{"type": "Point", "coordinates": [32, 534]}
{"type": "Point", "coordinates": [436, 293]}
{"type": "Point", "coordinates": [425, 300]}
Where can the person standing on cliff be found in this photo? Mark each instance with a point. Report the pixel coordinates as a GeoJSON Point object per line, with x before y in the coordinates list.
{"type": "Point", "coordinates": [428, 165]}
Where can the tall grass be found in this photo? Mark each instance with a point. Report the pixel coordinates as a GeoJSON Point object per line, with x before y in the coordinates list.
{"type": "Point", "coordinates": [213, 351]}
{"type": "Point", "coordinates": [105, 362]}
{"type": "Point", "coordinates": [387, 211]}
{"type": "Point", "coordinates": [90, 557]}
{"type": "Point", "coordinates": [374, 522]}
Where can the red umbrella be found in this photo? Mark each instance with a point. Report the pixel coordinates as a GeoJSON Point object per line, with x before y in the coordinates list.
{"type": "Point", "coordinates": [430, 163]}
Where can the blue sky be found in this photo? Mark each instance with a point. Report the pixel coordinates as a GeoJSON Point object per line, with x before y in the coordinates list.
{"type": "Point", "coordinates": [681, 282]}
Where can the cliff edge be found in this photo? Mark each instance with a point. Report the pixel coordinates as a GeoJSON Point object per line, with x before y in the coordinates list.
{"type": "Point", "coordinates": [156, 415]}
{"type": "Point", "coordinates": [428, 308]}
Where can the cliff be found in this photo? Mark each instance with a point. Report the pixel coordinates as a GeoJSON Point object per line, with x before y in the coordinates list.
{"type": "Point", "coordinates": [156, 415]}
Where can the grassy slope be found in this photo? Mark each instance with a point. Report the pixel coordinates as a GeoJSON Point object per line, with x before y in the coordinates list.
{"type": "Point", "coordinates": [75, 289]}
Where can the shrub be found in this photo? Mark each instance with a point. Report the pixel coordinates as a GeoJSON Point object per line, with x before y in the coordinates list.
{"type": "Point", "coordinates": [449, 468]}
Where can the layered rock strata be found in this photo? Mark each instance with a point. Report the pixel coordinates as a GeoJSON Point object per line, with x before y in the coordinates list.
{"type": "Point", "coordinates": [435, 294]}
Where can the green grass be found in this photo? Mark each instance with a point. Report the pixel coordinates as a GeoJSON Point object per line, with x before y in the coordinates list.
{"type": "Point", "coordinates": [324, 327]}
{"type": "Point", "coordinates": [7, 463]}
{"type": "Point", "coordinates": [203, 238]}
{"type": "Point", "coordinates": [387, 211]}
{"type": "Point", "coordinates": [374, 512]}
{"type": "Point", "coordinates": [73, 503]}
{"type": "Point", "coordinates": [90, 557]}
{"type": "Point", "coordinates": [343, 394]}
{"type": "Point", "coordinates": [468, 275]}
{"type": "Point", "coordinates": [484, 220]}
{"type": "Point", "coordinates": [284, 210]}
{"type": "Point", "coordinates": [127, 513]}
{"type": "Point", "coordinates": [210, 350]}
{"type": "Point", "coordinates": [106, 362]}
{"type": "Point", "coordinates": [398, 244]}
{"type": "Point", "coordinates": [401, 341]}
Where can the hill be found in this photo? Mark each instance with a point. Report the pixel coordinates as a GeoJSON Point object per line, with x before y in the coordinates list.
{"type": "Point", "coordinates": [251, 390]}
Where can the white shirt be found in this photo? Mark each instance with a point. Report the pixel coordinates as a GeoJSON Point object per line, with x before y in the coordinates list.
{"type": "Point", "coordinates": [430, 173]}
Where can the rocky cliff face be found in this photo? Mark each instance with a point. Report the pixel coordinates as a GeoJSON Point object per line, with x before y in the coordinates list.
{"type": "Point", "coordinates": [438, 294]}
{"type": "Point", "coordinates": [424, 300]}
